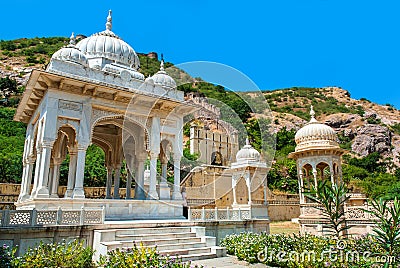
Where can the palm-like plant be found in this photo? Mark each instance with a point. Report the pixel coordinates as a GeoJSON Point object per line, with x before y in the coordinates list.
{"type": "Point", "coordinates": [331, 199]}
{"type": "Point", "coordinates": [387, 225]}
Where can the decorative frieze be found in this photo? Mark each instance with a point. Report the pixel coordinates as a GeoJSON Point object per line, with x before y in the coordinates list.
{"type": "Point", "coordinates": [70, 105]}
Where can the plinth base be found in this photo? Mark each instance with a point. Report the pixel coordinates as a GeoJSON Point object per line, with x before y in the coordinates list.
{"type": "Point", "coordinates": [115, 209]}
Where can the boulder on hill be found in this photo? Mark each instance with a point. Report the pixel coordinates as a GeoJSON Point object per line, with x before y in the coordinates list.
{"type": "Point", "coordinates": [341, 120]}
{"type": "Point", "coordinates": [372, 138]}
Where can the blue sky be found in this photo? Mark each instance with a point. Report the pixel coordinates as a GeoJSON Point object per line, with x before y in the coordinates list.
{"type": "Point", "coordinates": [282, 43]}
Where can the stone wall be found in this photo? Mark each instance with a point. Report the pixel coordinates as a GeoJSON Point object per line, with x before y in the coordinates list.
{"type": "Point", "coordinates": [213, 147]}
{"type": "Point", "coordinates": [283, 212]}
{"type": "Point", "coordinates": [29, 237]}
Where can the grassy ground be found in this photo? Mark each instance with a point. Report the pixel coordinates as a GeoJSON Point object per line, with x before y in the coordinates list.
{"type": "Point", "coordinates": [285, 227]}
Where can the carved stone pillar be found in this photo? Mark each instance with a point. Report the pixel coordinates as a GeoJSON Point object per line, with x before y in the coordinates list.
{"type": "Point", "coordinates": [315, 173]}
{"type": "Point", "coordinates": [139, 187]}
{"type": "Point", "coordinates": [117, 176]}
{"type": "Point", "coordinates": [152, 194]}
{"type": "Point", "coordinates": [55, 178]}
{"type": "Point", "coordinates": [165, 192]}
{"type": "Point", "coordinates": [24, 172]}
{"type": "Point", "coordinates": [129, 169]}
{"type": "Point", "coordinates": [266, 193]}
{"type": "Point", "coordinates": [128, 185]}
{"type": "Point", "coordinates": [71, 174]}
{"type": "Point", "coordinates": [78, 191]}
{"type": "Point", "coordinates": [42, 190]}
{"type": "Point", "coordinates": [51, 173]}
{"type": "Point", "coordinates": [301, 188]}
{"type": "Point", "coordinates": [109, 182]}
{"type": "Point", "coordinates": [332, 172]}
{"type": "Point", "coordinates": [26, 180]}
{"type": "Point", "coordinates": [25, 164]}
{"type": "Point", "coordinates": [235, 178]}
{"type": "Point", "coordinates": [154, 152]}
{"type": "Point", "coordinates": [247, 179]}
{"type": "Point", "coordinates": [176, 195]}
{"type": "Point", "coordinates": [37, 170]}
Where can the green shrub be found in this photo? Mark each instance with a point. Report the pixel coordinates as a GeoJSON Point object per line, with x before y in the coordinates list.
{"type": "Point", "coordinates": [344, 141]}
{"type": "Point", "coordinates": [268, 249]}
{"type": "Point", "coordinates": [387, 226]}
{"type": "Point", "coordinates": [66, 255]}
{"type": "Point", "coordinates": [396, 128]}
{"type": "Point", "coordinates": [7, 45]}
{"type": "Point", "coordinates": [331, 199]}
{"type": "Point", "coordinates": [140, 257]}
{"type": "Point", "coordinates": [6, 256]}
{"type": "Point", "coordinates": [373, 120]}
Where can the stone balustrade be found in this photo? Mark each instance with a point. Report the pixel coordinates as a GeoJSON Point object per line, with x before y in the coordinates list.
{"type": "Point", "coordinates": [33, 218]}
{"type": "Point", "coordinates": [218, 214]}
{"type": "Point", "coordinates": [200, 201]}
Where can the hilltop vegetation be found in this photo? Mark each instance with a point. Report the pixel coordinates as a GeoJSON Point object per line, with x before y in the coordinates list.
{"type": "Point", "coordinates": [296, 101]}
{"type": "Point", "coordinates": [374, 172]}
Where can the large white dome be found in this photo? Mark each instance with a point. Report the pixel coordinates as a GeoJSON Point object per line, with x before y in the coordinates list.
{"type": "Point", "coordinates": [108, 45]}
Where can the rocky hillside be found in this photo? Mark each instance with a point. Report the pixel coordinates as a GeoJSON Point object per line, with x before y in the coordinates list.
{"type": "Point", "coordinates": [363, 127]}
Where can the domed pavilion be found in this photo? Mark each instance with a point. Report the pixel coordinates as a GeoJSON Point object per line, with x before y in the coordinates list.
{"type": "Point", "coordinates": [318, 157]}
{"type": "Point", "coordinates": [253, 171]}
{"type": "Point", "coordinates": [93, 92]}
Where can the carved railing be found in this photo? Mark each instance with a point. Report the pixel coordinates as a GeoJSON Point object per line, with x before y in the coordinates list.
{"type": "Point", "coordinates": [359, 213]}
{"type": "Point", "coordinates": [7, 201]}
{"type": "Point", "coordinates": [283, 202]}
{"type": "Point", "coordinates": [198, 202]}
{"type": "Point", "coordinates": [25, 218]}
{"type": "Point", "coordinates": [310, 210]}
{"type": "Point", "coordinates": [218, 214]}
{"type": "Point", "coordinates": [354, 213]}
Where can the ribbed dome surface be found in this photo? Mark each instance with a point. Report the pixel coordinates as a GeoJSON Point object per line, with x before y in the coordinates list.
{"type": "Point", "coordinates": [315, 131]}
{"type": "Point", "coordinates": [247, 153]}
{"type": "Point", "coordinates": [70, 53]}
{"type": "Point", "coordinates": [108, 45]}
{"type": "Point", "coordinates": [163, 79]}
{"type": "Point", "coordinates": [315, 134]}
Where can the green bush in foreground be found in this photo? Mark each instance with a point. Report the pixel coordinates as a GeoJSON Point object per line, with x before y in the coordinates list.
{"type": "Point", "coordinates": [66, 255]}
{"type": "Point", "coordinates": [6, 256]}
{"type": "Point", "coordinates": [140, 257]}
{"type": "Point", "coordinates": [306, 251]}
{"type": "Point", "coordinates": [75, 255]}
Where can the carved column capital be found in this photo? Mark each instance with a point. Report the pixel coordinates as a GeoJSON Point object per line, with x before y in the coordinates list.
{"type": "Point", "coordinates": [153, 155]}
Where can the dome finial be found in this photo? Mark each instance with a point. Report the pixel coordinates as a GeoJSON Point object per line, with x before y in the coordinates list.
{"type": "Point", "coordinates": [72, 39]}
{"type": "Point", "coordinates": [109, 21]}
{"type": "Point", "coordinates": [162, 63]}
{"type": "Point", "coordinates": [312, 113]}
{"type": "Point", "coordinates": [247, 141]}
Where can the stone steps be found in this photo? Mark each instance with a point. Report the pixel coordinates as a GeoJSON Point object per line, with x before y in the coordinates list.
{"type": "Point", "coordinates": [154, 242]}
{"type": "Point", "coordinates": [201, 256]}
{"type": "Point", "coordinates": [152, 231]}
{"type": "Point", "coordinates": [185, 251]}
{"type": "Point", "coordinates": [186, 242]}
{"type": "Point", "coordinates": [135, 237]}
